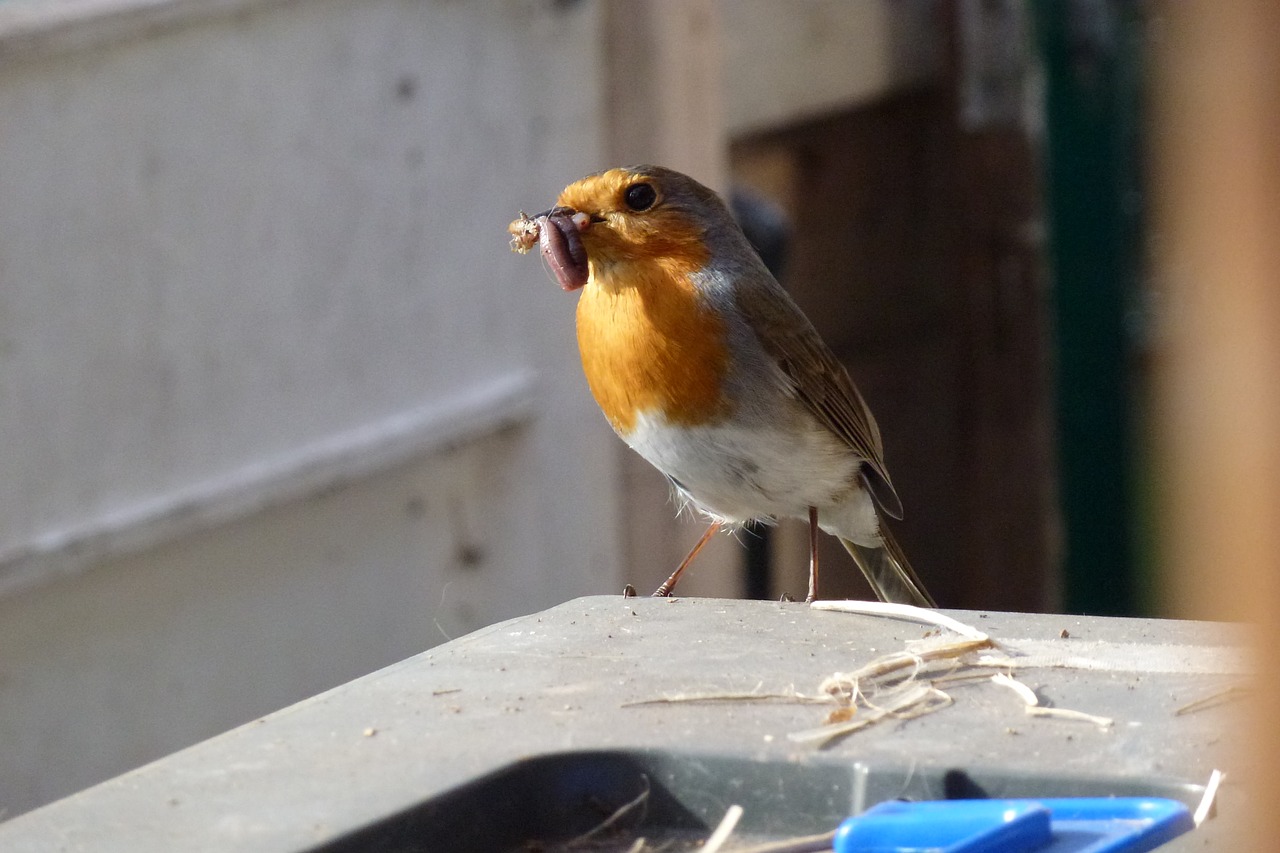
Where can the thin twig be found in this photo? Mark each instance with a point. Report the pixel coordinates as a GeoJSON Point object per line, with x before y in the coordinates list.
{"type": "Point", "coordinates": [724, 830]}
{"type": "Point", "coordinates": [902, 611]}
{"type": "Point", "coordinates": [913, 701]}
{"type": "Point", "coordinates": [974, 675]}
{"type": "Point", "coordinates": [1213, 700]}
{"type": "Point", "coordinates": [1068, 714]}
{"type": "Point", "coordinates": [618, 814]}
{"type": "Point", "coordinates": [691, 698]}
{"type": "Point", "coordinates": [840, 684]}
{"type": "Point", "coordinates": [1210, 796]}
{"type": "Point", "coordinates": [1035, 709]}
{"type": "Point", "coordinates": [803, 844]}
{"type": "Point", "coordinates": [1026, 693]}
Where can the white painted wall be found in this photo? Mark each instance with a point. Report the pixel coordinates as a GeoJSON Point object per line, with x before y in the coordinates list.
{"type": "Point", "coordinates": [278, 405]}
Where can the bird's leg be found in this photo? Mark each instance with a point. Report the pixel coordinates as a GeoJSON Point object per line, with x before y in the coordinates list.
{"type": "Point", "coordinates": [813, 555]}
{"type": "Point", "coordinates": [670, 583]}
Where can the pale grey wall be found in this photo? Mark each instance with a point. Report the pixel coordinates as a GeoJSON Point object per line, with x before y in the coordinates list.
{"type": "Point", "coordinates": [278, 406]}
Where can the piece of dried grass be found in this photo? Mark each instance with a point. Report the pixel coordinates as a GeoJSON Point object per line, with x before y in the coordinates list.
{"type": "Point", "coordinates": [1213, 700]}
{"type": "Point", "coordinates": [908, 702]}
{"type": "Point", "coordinates": [1210, 796]}
{"type": "Point", "coordinates": [725, 828]}
{"type": "Point", "coordinates": [790, 695]}
{"type": "Point", "coordinates": [909, 612]}
{"type": "Point", "coordinates": [1035, 709]}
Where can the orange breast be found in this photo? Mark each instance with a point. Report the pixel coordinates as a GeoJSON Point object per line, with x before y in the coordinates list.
{"type": "Point", "coordinates": [649, 344]}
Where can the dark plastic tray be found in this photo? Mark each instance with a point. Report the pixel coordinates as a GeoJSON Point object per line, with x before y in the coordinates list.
{"type": "Point", "coordinates": [547, 802]}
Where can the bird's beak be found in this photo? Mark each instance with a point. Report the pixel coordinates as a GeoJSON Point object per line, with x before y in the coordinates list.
{"type": "Point", "coordinates": [558, 210]}
{"type": "Point", "coordinates": [581, 219]}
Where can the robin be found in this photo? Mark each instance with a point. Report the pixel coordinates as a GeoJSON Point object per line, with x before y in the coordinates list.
{"type": "Point", "coordinates": [705, 366]}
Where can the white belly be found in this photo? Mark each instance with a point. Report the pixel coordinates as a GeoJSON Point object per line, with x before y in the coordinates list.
{"type": "Point", "coordinates": [736, 474]}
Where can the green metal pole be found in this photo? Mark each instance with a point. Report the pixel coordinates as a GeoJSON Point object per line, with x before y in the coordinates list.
{"type": "Point", "coordinates": [1091, 54]}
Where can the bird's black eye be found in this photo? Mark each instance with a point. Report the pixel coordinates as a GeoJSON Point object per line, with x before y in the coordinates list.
{"type": "Point", "coordinates": [640, 196]}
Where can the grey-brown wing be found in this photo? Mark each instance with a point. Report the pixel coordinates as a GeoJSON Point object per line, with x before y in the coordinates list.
{"type": "Point", "coordinates": [820, 381]}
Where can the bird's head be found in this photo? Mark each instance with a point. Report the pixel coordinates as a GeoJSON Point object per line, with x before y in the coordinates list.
{"type": "Point", "coordinates": [620, 220]}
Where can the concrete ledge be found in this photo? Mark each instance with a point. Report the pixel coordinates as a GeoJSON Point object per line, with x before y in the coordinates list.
{"type": "Point", "coordinates": [321, 773]}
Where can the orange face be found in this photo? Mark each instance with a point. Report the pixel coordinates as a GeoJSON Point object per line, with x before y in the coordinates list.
{"type": "Point", "coordinates": [649, 342]}
{"type": "Point", "coordinates": [636, 216]}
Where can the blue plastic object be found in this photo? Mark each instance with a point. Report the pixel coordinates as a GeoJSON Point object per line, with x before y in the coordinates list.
{"type": "Point", "coordinates": [1068, 825]}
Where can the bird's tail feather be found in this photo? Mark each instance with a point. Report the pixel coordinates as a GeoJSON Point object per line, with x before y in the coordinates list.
{"type": "Point", "coordinates": [888, 572]}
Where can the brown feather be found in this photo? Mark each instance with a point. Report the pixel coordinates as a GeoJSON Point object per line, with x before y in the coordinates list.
{"type": "Point", "coordinates": [819, 379]}
{"type": "Point", "coordinates": [888, 572]}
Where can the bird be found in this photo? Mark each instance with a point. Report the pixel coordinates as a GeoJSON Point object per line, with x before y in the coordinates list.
{"type": "Point", "coordinates": [705, 366]}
